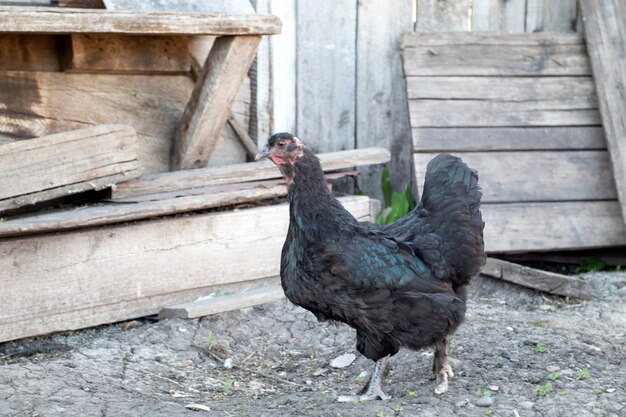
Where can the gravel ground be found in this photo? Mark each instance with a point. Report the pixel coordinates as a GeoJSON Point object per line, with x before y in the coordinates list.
{"type": "Point", "coordinates": [518, 354]}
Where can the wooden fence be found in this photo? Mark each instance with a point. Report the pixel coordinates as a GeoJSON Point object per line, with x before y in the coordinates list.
{"type": "Point", "coordinates": [334, 74]}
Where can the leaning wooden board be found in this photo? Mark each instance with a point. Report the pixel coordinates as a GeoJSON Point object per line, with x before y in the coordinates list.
{"type": "Point", "coordinates": [99, 275]}
{"type": "Point", "coordinates": [605, 32]}
{"type": "Point", "coordinates": [522, 110]}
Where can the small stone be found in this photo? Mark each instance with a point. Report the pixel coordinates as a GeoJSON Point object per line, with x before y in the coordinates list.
{"type": "Point", "coordinates": [552, 368]}
{"type": "Point", "coordinates": [526, 405]}
{"type": "Point", "coordinates": [197, 407]}
{"type": "Point", "coordinates": [343, 361]}
{"type": "Point", "coordinates": [461, 403]}
{"type": "Point", "coordinates": [509, 329]}
{"type": "Point", "coordinates": [567, 372]}
{"type": "Point", "coordinates": [610, 390]}
{"type": "Point", "coordinates": [319, 372]}
{"type": "Point", "coordinates": [228, 363]}
{"type": "Point", "coordinates": [484, 402]}
{"type": "Point", "coordinates": [494, 388]}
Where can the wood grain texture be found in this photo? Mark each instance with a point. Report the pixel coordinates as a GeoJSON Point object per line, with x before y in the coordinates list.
{"type": "Point", "coordinates": [150, 184]}
{"type": "Point", "coordinates": [211, 100]}
{"type": "Point", "coordinates": [605, 32]}
{"type": "Point", "coordinates": [326, 74]}
{"type": "Point", "coordinates": [62, 21]}
{"type": "Point", "coordinates": [550, 282]}
{"type": "Point", "coordinates": [105, 53]}
{"type": "Point", "coordinates": [382, 118]}
{"type": "Point", "coordinates": [536, 176]}
{"type": "Point", "coordinates": [442, 15]}
{"type": "Point", "coordinates": [92, 276]}
{"type": "Point", "coordinates": [551, 15]}
{"type": "Point", "coordinates": [57, 165]}
{"type": "Point", "coordinates": [28, 52]}
{"type": "Point", "coordinates": [506, 15]}
{"type": "Point", "coordinates": [507, 138]}
{"type": "Point", "coordinates": [480, 54]}
{"type": "Point", "coordinates": [530, 227]}
{"type": "Point", "coordinates": [207, 306]}
{"type": "Point", "coordinates": [41, 103]}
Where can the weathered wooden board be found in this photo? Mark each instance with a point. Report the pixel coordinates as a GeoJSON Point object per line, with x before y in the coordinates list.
{"type": "Point", "coordinates": [211, 100]}
{"type": "Point", "coordinates": [506, 15]}
{"type": "Point", "coordinates": [28, 52]}
{"type": "Point", "coordinates": [475, 113]}
{"type": "Point", "coordinates": [118, 212]}
{"type": "Point", "coordinates": [537, 175]}
{"type": "Point", "coordinates": [528, 227]}
{"type": "Point", "coordinates": [96, 52]}
{"type": "Point", "coordinates": [550, 282]}
{"type": "Point", "coordinates": [62, 21]}
{"type": "Point", "coordinates": [212, 305]}
{"type": "Point", "coordinates": [551, 15]}
{"type": "Point", "coordinates": [156, 183]}
{"type": "Point", "coordinates": [494, 53]}
{"type": "Point", "coordinates": [99, 275]}
{"type": "Point", "coordinates": [326, 98]}
{"type": "Point", "coordinates": [507, 138]}
{"type": "Point", "coordinates": [605, 32]}
{"type": "Point", "coordinates": [40, 103]}
{"type": "Point", "coordinates": [442, 15]}
{"type": "Point", "coordinates": [36, 170]}
{"type": "Point", "coordinates": [535, 92]}
{"type": "Point", "coordinates": [381, 113]}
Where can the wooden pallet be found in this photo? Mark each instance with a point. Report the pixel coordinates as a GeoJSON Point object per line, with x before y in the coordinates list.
{"type": "Point", "coordinates": [522, 109]}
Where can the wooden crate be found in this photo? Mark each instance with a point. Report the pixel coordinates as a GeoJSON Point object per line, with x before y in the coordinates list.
{"type": "Point", "coordinates": [522, 109]}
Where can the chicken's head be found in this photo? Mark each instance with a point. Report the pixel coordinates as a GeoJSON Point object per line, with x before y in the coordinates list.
{"type": "Point", "coordinates": [283, 149]}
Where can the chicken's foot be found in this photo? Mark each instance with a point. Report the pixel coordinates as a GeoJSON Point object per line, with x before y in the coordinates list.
{"type": "Point", "coordinates": [373, 390]}
{"type": "Point", "coordinates": [442, 370]}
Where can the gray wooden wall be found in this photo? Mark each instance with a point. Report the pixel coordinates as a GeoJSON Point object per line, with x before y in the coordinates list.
{"type": "Point", "coordinates": [334, 75]}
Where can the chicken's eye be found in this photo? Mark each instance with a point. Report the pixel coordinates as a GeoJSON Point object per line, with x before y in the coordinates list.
{"type": "Point", "coordinates": [281, 144]}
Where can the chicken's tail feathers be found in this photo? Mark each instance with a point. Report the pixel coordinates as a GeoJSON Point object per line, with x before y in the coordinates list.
{"type": "Point", "coordinates": [450, 209]}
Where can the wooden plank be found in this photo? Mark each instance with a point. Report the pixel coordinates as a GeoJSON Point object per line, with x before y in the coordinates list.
{"type": "Point", "coordinates": [37, 104]}
{"type": "Point", "coordinates": [550, 282]}
{"type": "Point", "coordinates": [150, 184]}
{"type": "Point", "coordinates": [107, 53]}
{"type": "Point", "coordinates": [535, 92]}
{"type": "Point", "coordinates": [536, 175]}
{"type": "Point", "coordinates": [529, 227]}
{"type": "Point", "coordinates": [211, 100]}
{"type": "Point", "coordinates": [506, 15]}
{"type": "Point", "coordinates": [551, 15]}
{"type": "Point", "coordinates": [100, 275]}
{"type": "Point", "coordinates": [442, 15]}
{"type": "Point", "coordinates": [28, 52]}
{"type": "Point", "coordinates": [605, 32]}
{"type": "Point", "coordinates": [207, 306]}
{"type": "Point", "coordinates": [118, 212]}
{"type": "Point", "coordinates": [467, 58]}
{"type": "Point", "coordinates": [381, 113]}
{"type": "Point", "coordinates": [326, 99]}
{"type": "Point", "coordinates": [419, 39]}
{"type": "Point", "coordinates": [476, 113]}
{"type": "Point", "coordinates": [508, 138]}
{"type": "Point", "coordinates": [62, 21]}
{"type": "Point", "coordinates": [46, 168]}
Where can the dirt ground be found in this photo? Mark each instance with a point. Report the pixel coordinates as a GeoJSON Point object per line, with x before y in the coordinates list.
{"type": "Point", "coordinates": [519, 354]}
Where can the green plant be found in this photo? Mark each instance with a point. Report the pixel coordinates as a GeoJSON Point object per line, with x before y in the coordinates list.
{"type": "Point", "coordinates": [592, 264]}
{"type": "Point", "coordinates": [380, 414]}
{"type": "Point", "coordinates": [360, 378]}
{"type": "Point", "coordinates": [209, 340]}
{"type": "Point", "coordinates": [228, 385]}
{"type": "Point", "coordinates": [553, 376]}
{"type": "Point", "coordinates": [583, 374]}
{"type": "Point", "coordinates": [399, 409]}
{"type": "Point", "coordinates": [397, 205]}
{"type": "Point", "coordinates": [618, 268]}
{"type": "Point", "coordinates": [543, 390]}
{"type": "Point", "coordinates": [541, 348]}
{"type": "Point", "coordinates": [489, 412]}
{"type": "Point", "coordinates": [411, 393]}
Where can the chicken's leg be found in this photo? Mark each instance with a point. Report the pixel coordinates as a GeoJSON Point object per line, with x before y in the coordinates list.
{"type": "Point", "coordinates": [373, 390]}
{"type": "Point", "coordinates": [441, 366]}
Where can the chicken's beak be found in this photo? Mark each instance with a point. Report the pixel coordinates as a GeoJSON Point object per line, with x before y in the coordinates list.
{"type": "Point", "coordinates": [263, 153]}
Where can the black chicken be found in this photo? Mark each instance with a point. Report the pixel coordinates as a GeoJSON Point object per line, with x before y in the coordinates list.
{"type": "Point", "coordinates": [400, 285]}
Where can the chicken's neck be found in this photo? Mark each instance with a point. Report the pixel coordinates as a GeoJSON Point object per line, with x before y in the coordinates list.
{"type": "Point", "coordinates": [313, 208]}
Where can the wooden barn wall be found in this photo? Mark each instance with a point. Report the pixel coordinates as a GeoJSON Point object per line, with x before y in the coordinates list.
{"type": "Point", "coordinates": [334, 74]}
